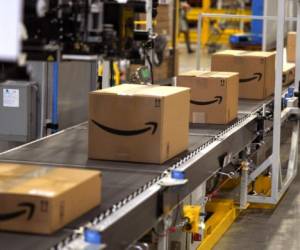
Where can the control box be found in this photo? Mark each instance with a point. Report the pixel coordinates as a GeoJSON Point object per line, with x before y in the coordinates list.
{"type": "Point", "coordinates": [18, 111]}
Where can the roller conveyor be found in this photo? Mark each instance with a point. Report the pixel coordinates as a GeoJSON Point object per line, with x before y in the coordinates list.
{"type": "Point", "coordinates": [69, 149]}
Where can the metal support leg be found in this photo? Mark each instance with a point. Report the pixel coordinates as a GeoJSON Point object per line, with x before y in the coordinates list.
{"type": "Point", "coordinates": [149, 26]}
{"type": "Point", "coordinates": [199, 42]}
{"type": "Point", "coordinates": [276, 165]}
{"type": "Point", "coordinates": [163, 241]}
{"type": "Point", "coordinates": [244, 185]}
{"type": "Point", "coordinates": [265, 26]}
{"type": "Point", "coordinates": [106, 74]}
{"type": "Point", "coordinates": [298, 47]}
{"type": "Point", "coordinates": [242, 24]}
{"type": "Point", "coordinates": [292, 167]}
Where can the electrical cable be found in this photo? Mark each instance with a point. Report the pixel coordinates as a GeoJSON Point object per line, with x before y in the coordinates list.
{"type": "Point", "coordinates": [216, 191]}
{"type": "Point", "coordinates": [150, 65]}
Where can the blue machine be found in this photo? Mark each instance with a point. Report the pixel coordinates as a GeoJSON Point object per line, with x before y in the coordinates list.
{"type": "Point", "coordinates": [254, 38]}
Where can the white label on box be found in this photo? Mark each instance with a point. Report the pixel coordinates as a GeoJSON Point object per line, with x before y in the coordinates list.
{"type": "Point", "coordinates": [11, 98]}
{"type": "Point", "coordinates": [198, 117]}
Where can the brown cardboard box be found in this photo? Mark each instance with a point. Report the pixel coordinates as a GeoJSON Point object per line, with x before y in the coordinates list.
{"type": "Point", "coordinates": [41, 200]}
{"type": "Point", "coordinates": [138, 123]}
{"type": "Point", "coordinates": [291, 47]}
{"type": "Point", "coordinates": [288, 76]}
{"type": "Point", "coordinates": [214, 96]}
{"type": "Point", "coordinates": [256, 69]}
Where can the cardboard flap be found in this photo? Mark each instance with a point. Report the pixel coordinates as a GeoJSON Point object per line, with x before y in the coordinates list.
{"type": "Point", "coordinates": [261, 54]}
{"type": "Point", "coordinates": [208, 74]}
{"type": "Point", "coordinates": [140, 90]}
{"type": "Point", "coordinates": [288, 66]}
{"type": "Point", "coordinates": [231, 52]}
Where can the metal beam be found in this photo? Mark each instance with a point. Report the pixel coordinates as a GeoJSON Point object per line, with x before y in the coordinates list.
{"type": "Point", "coordinates": [276, 164]}
{"type": "Point", "coordinates": [297, 78]}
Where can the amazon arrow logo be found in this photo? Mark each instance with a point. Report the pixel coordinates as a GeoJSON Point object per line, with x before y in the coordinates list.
{"type": "Point", "coordinates": [218, 99]}
{"type": "Point", "coordinates": [27, 207]}
{"type": "Point", "coordinates": [256, 76]}
{"type": "Point", "coordinates": [150, 126]}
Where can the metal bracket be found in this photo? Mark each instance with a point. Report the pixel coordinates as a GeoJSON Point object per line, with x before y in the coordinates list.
{"type": "Point", "coordinates": [176, 178]}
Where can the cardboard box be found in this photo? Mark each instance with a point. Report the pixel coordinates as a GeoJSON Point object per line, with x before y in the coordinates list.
{"type": "Point", "coordinates": [214, 96]}
{"type": "Point", "coordinates": [291, 47]}
{"type": "Point", "coordinates": [137, 123]}
{"type": "Point", "coordinates": [288, 76]}
{"type": "Point", "coordinates": [41, 200]}
{"type": "Point", "coordinates": [256, 69]}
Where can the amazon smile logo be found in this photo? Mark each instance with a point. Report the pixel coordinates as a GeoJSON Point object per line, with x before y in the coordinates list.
{"type": "Point", "coordinates": [27, 208]}
{"type": "Point", "coordinates": [256, 76]}
{"type": "Point", "coordinates": [150, 126]}
{"type": "Point", "coordinates": [218, 99]}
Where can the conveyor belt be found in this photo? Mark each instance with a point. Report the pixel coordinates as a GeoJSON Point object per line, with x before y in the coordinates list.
{"type": "Point", "coordinates": [69, 149]}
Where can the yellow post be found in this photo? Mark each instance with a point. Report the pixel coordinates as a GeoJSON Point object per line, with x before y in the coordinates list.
{"type": "Point", "coordinates": [177, 20]}
{"type": "Point", "coordinates": [205, 28]}
{"type": "Point", "coordinates": [206, 4]}
{"type": "Point", "coordinates": [192, 215]}
{"type": "Point", "coordinates": [117, 73]}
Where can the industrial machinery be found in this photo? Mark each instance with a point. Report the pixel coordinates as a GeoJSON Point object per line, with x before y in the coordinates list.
{"type": "Point", "coordinates": [141, 198]}
{"type": "Point", "coordinates": [168, 200]}
{"type": "Point", "coordinates": [55, 54]}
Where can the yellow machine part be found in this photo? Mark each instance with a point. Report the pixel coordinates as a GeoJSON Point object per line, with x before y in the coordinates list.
{"type": "Point", "coordinates": [223, 215]}
{"type": "Point", "coordinates": [100, 70]}
{"type": "Point", "coordinates": [144, 22]}
{"type": "Point", "coordinates": [116, 73]}
{"type": "Point", "coordinates": [231, 184]}
{"type": "Point", "coordinates": [262, 186]}
{"type": "Point", "coordinates": [224, 212]}
{"type": "Point", "coordinates": [192, 213]}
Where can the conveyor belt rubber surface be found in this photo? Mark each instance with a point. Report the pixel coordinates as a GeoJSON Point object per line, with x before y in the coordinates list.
{"type": "Point", "coordinates": [69, 149]}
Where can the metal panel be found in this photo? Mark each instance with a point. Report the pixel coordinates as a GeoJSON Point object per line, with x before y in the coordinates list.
{"type": "Point", "coordinates": [76, 80]}
{"type": "Point", "coordinates": [18, 112]}
{"type": "Point", "coordinates": [39, 72]}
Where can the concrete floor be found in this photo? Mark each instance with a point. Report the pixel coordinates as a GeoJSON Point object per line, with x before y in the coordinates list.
{"type": "Point", "coordinates": [276, 229]}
